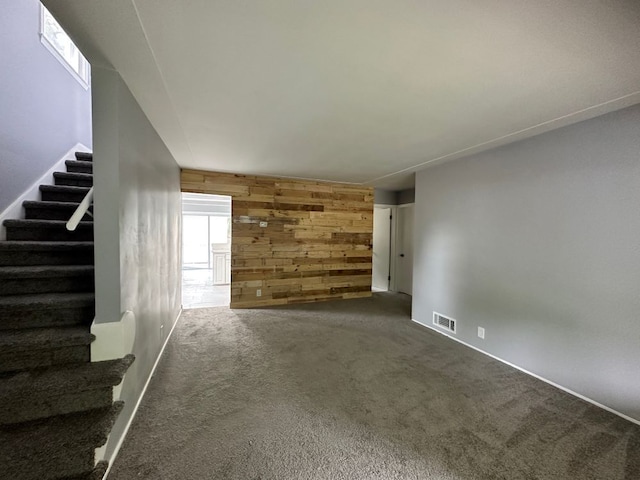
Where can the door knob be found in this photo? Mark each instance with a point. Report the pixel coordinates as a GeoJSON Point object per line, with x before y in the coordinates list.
{"type": "Point", "coordinates": [402, 254]}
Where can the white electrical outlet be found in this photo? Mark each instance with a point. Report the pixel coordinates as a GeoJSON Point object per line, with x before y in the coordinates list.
{"type": "Point", "coordinates": [481, 332]}
{"type": "Point", "coordinates": [258, 292]}
{"type": "Point", "coordinates": [263, 224]}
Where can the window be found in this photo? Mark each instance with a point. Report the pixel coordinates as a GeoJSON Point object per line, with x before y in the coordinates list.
{"type": "Point", "coordinates": [62, 47]}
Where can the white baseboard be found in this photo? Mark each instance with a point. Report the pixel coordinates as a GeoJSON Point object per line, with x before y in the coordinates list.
{"type": "Point", "coordinates": [553, 384]}
{"type": "Point", "coordinates": [14, 211]}
{"type": "Point", "coordinates": [142, 393]}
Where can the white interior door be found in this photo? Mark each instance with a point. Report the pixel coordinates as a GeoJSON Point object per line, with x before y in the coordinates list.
{"type": "Point", "coordinates": [404, 250]}
{"type": "Point", "coordinates": [381, 248]}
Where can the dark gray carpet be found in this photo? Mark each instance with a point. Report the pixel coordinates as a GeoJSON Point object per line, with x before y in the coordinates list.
{"type": "Point", "coordinates": [354, 390]}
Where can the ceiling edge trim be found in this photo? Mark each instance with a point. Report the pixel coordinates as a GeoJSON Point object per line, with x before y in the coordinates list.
{"type": "Point", "coordinates": [554, 124]}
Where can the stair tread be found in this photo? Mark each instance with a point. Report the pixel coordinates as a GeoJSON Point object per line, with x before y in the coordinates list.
{"type": "Point", "coordinates": [89, 428]}
{"type": "Point", "coordinates": [87, 176]}
{"type": "Point", "coordinates": [41, 271]}
{"type": "Point", "coordinates": [87, 156]}
{"type": "Point", "coordinates": [43, 223]}
{"type": "Point", "coordinates": [65, 188]}
{"type": "Point", "coordinates": [97, 473]}
{"type": "Point", "coordinates": [48, 300]}
{"type": "Point", "coordinates": [79, 166]}
{"type": "Point", "coordinates": [50, 204]}
{"type": "Point", "coordinates": [20, 245]}
{"type": "Point", "coordinates": [66, 378]}
{"type": "Point", "coordinates": [34, 338]}
{"type": "Point", "coordinates": [78, 162]}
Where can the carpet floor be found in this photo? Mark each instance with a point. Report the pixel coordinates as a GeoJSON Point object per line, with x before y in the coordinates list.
{"type": "Point", "coordinates": [354, 390]}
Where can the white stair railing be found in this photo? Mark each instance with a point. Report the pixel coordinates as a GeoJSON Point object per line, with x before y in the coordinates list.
{"type": "Point", "coordinates": [80, 212]}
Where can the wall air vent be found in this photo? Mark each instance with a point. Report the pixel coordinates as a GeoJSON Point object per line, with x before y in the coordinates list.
{"type": "Point", "coordinates": [444, 322]}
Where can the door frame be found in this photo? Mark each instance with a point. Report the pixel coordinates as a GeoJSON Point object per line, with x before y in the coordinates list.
{"type": "Point", "coordinates": [392, 244]}
{"type": "Point", "coordinates": [393, 285]}
{"type": "Point", "coordinates": [393, 249]}
{"type": "Point", "coordinates": [392, 210]}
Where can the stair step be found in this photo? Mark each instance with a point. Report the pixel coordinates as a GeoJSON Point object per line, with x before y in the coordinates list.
{"type": "Point", "coordinates": [73, 179]}
{"type": "Point", "coordinates": [37, 450]}
{"type": "Point", "coordinates": [76, 166]}
{"type": "Point", "coordinates": [84, 156]}
{"type": "Point", "coordinates": [59, 193]}
{"type": "Point", "coordinates": [52, 210]}
{"type": "Point", "coordinates": [47, 230]}
{"type": "Point", "coordinates": [46, 310]}
{"type": "Point", "coordinates": [61, 379]}
{"type": "Point", "coordinates": [17, 280]}
{"type": "Point", "coordinates": [97, 473]}
{"type": "Point", "coordinates": [44, 347]}
{"type": "Point", "coordinates": [60, 390]}
{"type": "Point", "coordinates": [45, 253]}
{"type": "Point", "coordinates": [44, 405]}
{"type": "Point", "coordinates": [42, 338]}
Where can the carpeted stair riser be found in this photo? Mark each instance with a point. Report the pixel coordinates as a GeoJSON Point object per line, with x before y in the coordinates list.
{"type": "Point", "coordinates": [57, 193]}
{"type": "Point", "coordinates": [16, 360]}
{"type": "Point", "coordinates": [45, 310]}
{"type": "Point", "coordinates": [43, 347]}
{"type": "Point", "coordinates": [37, 450]}
{"type": "Point", "coordinates": [57, 380]}
{"type": "Point", "coordinates": [47, 230]}
{"type": "Point", "coordinates": [43, 338]}
{"type": "Point", "coordinates": [73, 179]}
{"type": "Point", "coordinates": [96, 474]}
{"type": "Point", "coordinates": [45, 253]}
{"type": "Point", "coordinates": [45, 405]}
{"type": "Point", "coordinates": [67, 462]}
{"type": "Point", "coordinates": [60, 390]}
{"type": "Point", "coordinates": [38, 436]}
{"type": "Point", "coordinates": [75, 166]}
{"type": "Point", "coordinates": [52, 211]}
{"type": "Point", "coordinates": [28, 280]}
{"type": "Point", "coordinates": [84, 156]}
{"type": "Point", "coordinates": [37, 318]}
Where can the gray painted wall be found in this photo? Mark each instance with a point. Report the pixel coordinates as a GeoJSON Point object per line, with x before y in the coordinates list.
{"type": "Point", "coordinates": [390, 197]}
{"type": "Point", "coordinates": [406, 196]}
{"type": "Point", "coordinates": [539, 242]}
{"type": "Point", "coordinates": [138, 215]}
{"type": "Point", "coordinates": [384, 197]}
{"type": "Point", "coordinates": [44, 110]}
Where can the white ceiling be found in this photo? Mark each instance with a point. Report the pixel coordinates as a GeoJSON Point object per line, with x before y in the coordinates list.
{"type": "Point", "coordinates": [362, 91]}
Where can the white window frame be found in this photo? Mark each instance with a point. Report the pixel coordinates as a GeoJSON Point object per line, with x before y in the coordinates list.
{"type": "Point", "coordinates": [83, 75]}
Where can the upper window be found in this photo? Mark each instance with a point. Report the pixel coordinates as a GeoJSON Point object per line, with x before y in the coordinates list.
{"type": "Point", "coordinates": [58, 42]}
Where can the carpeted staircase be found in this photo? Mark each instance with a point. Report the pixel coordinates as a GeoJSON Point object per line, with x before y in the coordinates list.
{"type": "Point", "coordinates": [56, 406]}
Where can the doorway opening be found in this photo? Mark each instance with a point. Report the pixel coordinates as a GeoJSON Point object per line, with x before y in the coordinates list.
{"type": "Point", "coordinates": [404, 249]}
{"type": "Point", "coordinates": [381, 275]}
{"type": "Point", "coordinates": [206, 250]}
{"type": "Point", "coordinates": [393, 248]}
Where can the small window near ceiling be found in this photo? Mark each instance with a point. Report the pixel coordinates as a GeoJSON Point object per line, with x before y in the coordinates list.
{"type": "Point", "coordinates": [56, 40]}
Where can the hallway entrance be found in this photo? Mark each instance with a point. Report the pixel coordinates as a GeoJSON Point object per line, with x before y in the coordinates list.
{"type": "Point", "coordinates": [206, 250]}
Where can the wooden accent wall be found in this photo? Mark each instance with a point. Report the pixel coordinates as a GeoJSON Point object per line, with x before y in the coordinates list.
{"type": "Point", "coordinates": [317, 244]}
